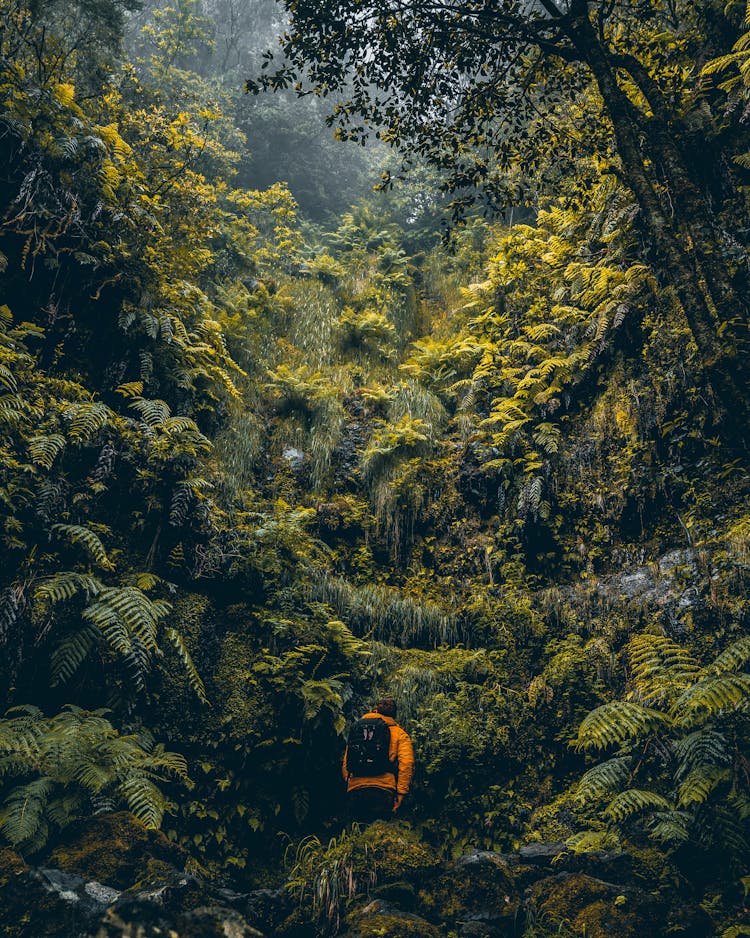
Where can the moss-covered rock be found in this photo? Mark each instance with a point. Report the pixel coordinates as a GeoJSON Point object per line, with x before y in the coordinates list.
{"type": "Point", "coordinates": [480, 887]}
{"type": "Point", "coordinates": [595, 908]}
{"type": "Point", "coordinates": [380, 919]}
{"type": "Point", "coordinates": [397, 853]}
{"type": "Point", "coordinates": [118, 850]}
{"type": "Point", "coordinates": [11, 865]}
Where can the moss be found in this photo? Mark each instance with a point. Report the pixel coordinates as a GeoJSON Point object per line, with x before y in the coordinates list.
{"type": "Point", "coordinates": [397, 852]}
{"type": "Point", "coordinates": [11, 865]}
{"type": "Point", "coordinates": [379, 920]}
{"type": "Point", "coordinates": [592, 907]}
{"type": "Point", "coordinates": [475, 885]}
{"type": "Point", "coordinates": [118, 850]}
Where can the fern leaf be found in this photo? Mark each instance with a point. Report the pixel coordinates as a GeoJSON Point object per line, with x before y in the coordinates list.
{"type": "Point", "coordinates": [45, 449]}
{"type": "Point", "coordinates": [71, 652]}
{"type": "Point", "coordinates": [711, 696]}
{"type": "Point", "coordinates": [700, 783]}
{"type": "Point", "coordinates": [732, 658]}
{"type": "Point", "coordinates": [23, 812]}
{"type": "Point", "coordinates": [78, 534]}
{"type": "Point", "coordinates": [144, 800]}
{"type": "Point", "coordinates": [192, 673]}
{"type": "Point", "coordinates": [606, 777]}
{"type": "Point", "coordinates": [616, 722]}
{"type": "Point", "coordinates": [63, 586]}
{"type": "Point", "coordinates": [633, 801]}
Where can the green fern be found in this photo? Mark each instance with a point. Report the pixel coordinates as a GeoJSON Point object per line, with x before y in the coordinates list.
{"type": "Point", "coordinates": [604, 778]}
{"type": "Point", "coordinates": [699, 784]}
{"type": "Point", "coordinates": [77, 756]}
{"type": "Point", "coordinates": [194, 678]}
{"type": "Point", "coordinates": [63, 586]}
{"type": "Point", "coordinates": [732, 658]}
{"type": "Point", "coordinates": [22, 817]}
{"type": "Point", "coordinates": [616, 722]}
{"type": "Point", "coordinates": [711, 696]}
{"type": "Point", "coordinates": [44, 450]}
{"type": "Point", "coordinates": [78, 534]}
{"type": "Point", "coordinates": [634, 801]}
{"type": "Point", "coordinates": [71, 652]}
{"type": "Point", "coordinates": [660, 668]}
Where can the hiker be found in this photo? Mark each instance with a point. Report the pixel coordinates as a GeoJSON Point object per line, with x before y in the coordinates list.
{"type": "Point", "coordinates": [378, 764]}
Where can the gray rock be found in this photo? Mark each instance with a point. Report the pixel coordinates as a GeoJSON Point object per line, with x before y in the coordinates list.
{"type": "Point", "coordinates": [295, 457]}
{"type": "Point", "coordinates": [541, 854]}
{"type": "Point", "coordinates": [487, 858]}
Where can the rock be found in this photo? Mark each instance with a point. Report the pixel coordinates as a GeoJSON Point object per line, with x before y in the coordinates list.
{"type": "Point", "coordinates": [380, 919]}
{"type": "Point", "coordinates": [680, 557]}
{"type": "Point", "coordinates": [118, 850]}
{"type": "Point", "coordinates": [480, 857]}
{"type": "Point", "coordinates": [595, 908]}
{"type": "Point", "coordinates": [295, 457]}
{"type": "Point", "coordinates": [541, 854]}
{"type": "Point", "coordinates": [47, 903]}
{"type": "Point", "coordinates": [265, 908]}
{"type": "Point", "coordinates": [479, 887]}
{"type": "Point", "coordinates": [397, 853]}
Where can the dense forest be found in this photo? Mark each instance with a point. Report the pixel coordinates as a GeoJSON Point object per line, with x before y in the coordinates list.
{"type": "Point", "coordinates": [353, 349]}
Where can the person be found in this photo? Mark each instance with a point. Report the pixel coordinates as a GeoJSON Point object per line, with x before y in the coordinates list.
{"type": "Point", "coordinates": [378, 764]}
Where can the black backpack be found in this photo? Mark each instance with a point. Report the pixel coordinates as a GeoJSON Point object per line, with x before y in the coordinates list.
{"type": "Point", "coordinates": [368, 747]}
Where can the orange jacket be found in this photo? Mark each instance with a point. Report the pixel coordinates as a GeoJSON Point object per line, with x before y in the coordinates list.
{"type": "Point", "coordinates": [400, 752]}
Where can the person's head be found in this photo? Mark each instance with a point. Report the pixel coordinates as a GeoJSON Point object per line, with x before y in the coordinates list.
{"type": "Point", "coordinates": [386, 706]}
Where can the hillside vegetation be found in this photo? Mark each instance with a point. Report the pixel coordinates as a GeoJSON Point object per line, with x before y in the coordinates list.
{"type": "Point", "coordinates": [271, 447]}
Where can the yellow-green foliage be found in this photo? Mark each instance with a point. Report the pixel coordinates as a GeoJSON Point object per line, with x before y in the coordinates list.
{"type": "Point", "coordinates": [73, 757]}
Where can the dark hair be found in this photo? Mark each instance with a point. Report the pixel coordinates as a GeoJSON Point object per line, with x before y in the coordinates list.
{"type": "Point", "coordinates": [386, 706]}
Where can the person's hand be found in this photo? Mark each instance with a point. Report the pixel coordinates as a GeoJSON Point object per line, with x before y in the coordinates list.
{"type": "Point", "coordinates": [397, 802]}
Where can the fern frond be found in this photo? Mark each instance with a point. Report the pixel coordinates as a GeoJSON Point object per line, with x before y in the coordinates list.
{"type": "Point", "coordinates": [78, 534]}
{"type": "Point", "coordinates": [22, 814]}
{"type": "Point", "coordinates": [45, 449]}
{"type": "Point", "coordinates": [633, 801]}
{"type": "Point", "coordinates": [670, 828]}
{"type": "Point", "coordinates": [660, 667]}
{"type": "Point", "coordinates": [604, 778]}
{"type": "Point", "coordinates": [617, 722]}
{"type": "Point", "coordinates": [71, 652]}
{"type": "Point", "coordinates": [194, 678]}
{"type": "Point", "coordinates": [63, 586]}
{"type": "Point", "coordinates": [732, 658]}
{"type": "Point", "coordinates": [700, 783]}
{"type": "Point", "coordinates": [711, 696]}
{"type": "Point", "coordinates": [144, 800]}
{"type": "Point", "coordinates": [86, 420]}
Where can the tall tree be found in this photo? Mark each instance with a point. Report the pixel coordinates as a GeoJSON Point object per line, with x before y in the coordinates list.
{"type": "Point", "coordinates": [477, 87]}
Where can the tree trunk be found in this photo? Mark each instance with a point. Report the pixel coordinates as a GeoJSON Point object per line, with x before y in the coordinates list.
{"type": "Point", "coordinates": [703, 291]}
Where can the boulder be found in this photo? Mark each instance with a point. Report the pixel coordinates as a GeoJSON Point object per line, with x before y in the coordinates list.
{"type": "Point", "coordinates": [381, 919]}
{"type": "Point", "coordinates": [118, 850]}
{"type": "Point", "coordinates": [478, 892]}
{"type": "Point", "coordinates": [596, 908]}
